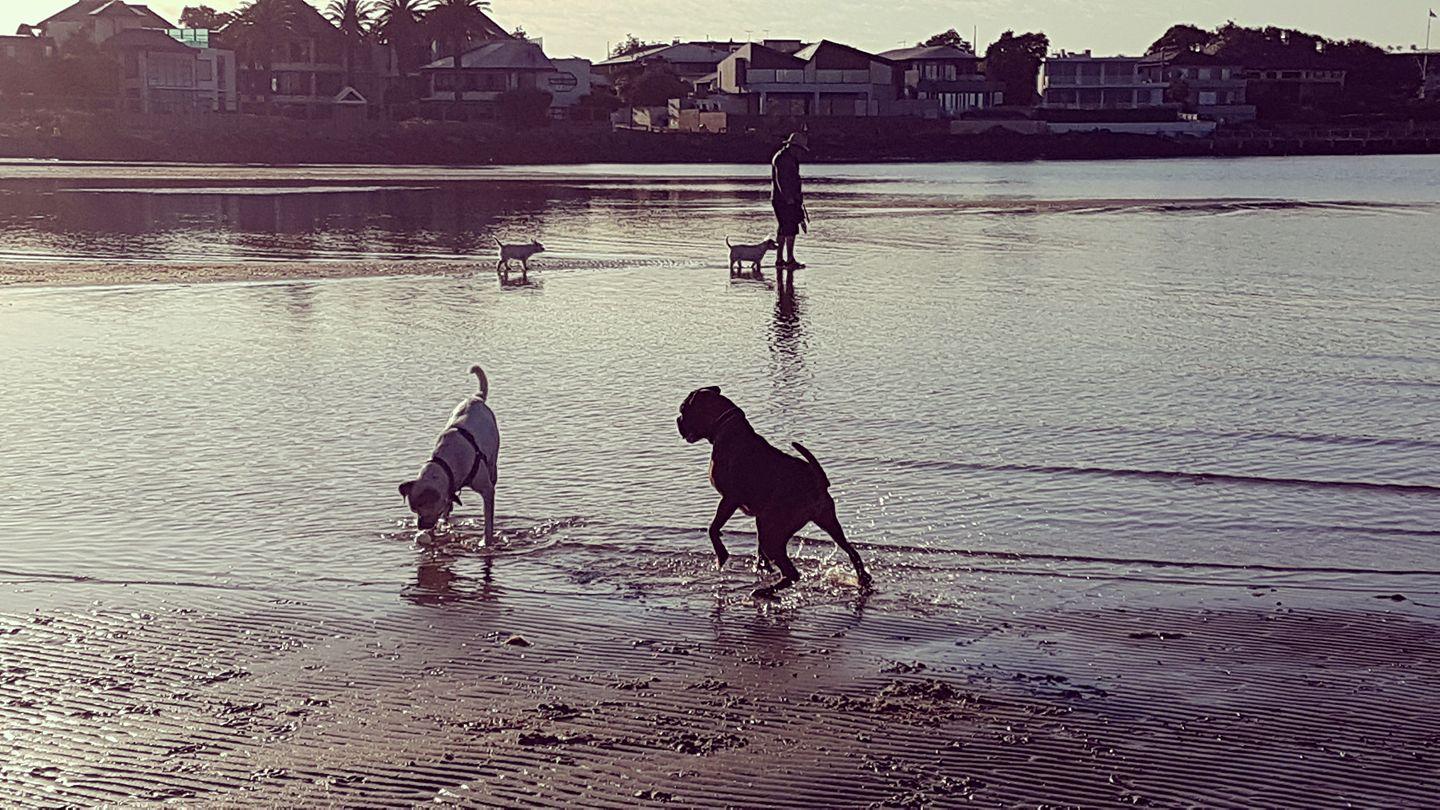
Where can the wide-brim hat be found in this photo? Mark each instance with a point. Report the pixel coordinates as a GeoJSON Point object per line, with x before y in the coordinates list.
{"type": "Point", "coordinates": [799, 139]}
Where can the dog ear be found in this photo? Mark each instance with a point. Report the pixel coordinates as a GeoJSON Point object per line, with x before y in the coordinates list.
{"type": "Point", "coordinates": [714, 389]}
{"type": "Point", "coordinates": [405, 489]}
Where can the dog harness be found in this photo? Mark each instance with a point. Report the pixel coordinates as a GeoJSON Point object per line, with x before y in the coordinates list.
{"type": "Point", "coordinates": [454, 490]}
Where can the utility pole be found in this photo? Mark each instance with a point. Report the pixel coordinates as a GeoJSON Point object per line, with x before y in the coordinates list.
{"type": "Point", "coordinates": [1425, 59]}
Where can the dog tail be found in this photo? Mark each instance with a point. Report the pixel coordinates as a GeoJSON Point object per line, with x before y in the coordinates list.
{"type": "Point", "coordinates": [727, 241]}
{"type": "Point", "coordinates": [810, 457]}
{"type": "Point", "coordinates": [484, 383]}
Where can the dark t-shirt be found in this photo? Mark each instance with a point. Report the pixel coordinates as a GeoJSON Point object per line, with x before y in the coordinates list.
{"type": "Point", "coordinates": [785, 176]}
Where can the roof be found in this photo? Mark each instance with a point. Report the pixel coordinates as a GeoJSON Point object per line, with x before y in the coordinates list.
{"type": "Point", "coordinates": [760, 57]}
{"type": "Point", "coordinates": [928, 52]}
{"type": "Point", "coordinates": [1176, 56]}
{"type": "Point", "coordinates": [145, 39]}
{"type": "Point", "coordinates": [677, 52]}
{"type": "Point", "coordinates": [809, 52]}
{"type": "Point", "coordinates": [78, 11]}
{"type": "Point", "coordinates": [509, 54]}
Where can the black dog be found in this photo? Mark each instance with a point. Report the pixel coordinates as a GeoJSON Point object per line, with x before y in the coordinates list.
{"type": "Point", "coordinates": [781, 491]}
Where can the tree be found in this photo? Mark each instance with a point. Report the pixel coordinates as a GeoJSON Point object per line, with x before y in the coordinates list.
{"type": "Point", "coordinates": [455, 23]}
{"type": "Point", "coordinates": [651, 86]}
{"type": "Point", "coordinates": [1014, 62]}
{"type": "Point", "coordinates": [261, 30]}
{"type": "Point", "coordinates": [524, 107]}
{"type": "Point", "coordinates": [951, 38]}
{"type": "Point", "coordinates": [631, 44]}
{"type": "Point", "coordinates": [398, 23]}
{"type": "Point", "coordinates": [1182, 38]}
{"type": "Point", "coordinates": [204, 17]}
{"type": "Point", "coordinates": [353, 18]}
{"type": "Point", "coordinates": [1178, 92]}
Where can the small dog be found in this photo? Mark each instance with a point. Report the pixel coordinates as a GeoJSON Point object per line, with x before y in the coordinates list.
{"type": "Point", "coordinates": [754, 254]}
{"type": "Point", "coordinates": [465, 456]}
{"type": "Point", "coordinates": [520, 253]}
{"type": "Point", "coordinates": [781, 491]}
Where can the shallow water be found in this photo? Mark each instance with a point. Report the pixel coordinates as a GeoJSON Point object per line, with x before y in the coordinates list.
{"type": "Point", "coordinates": [1194, 373]}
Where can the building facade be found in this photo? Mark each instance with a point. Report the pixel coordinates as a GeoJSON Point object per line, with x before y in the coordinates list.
{"type": "Point", "coordinates": [690, 61]}
{"type": "Point", "coordinates": [947, 75]}
{"type": "Point", "coordinates": [1085, 82]}
{"type": "Point", "coordinates": [485, 73]}
{"type": "Point", "coordinates": [1211, 87]}
{"type": "Point", "coordinates": [822, 79]}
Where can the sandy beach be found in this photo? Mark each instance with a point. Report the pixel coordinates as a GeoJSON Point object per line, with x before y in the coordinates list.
{"type": "Point", "coordinates": [485, 694]}
{"type": "Point", "coordinates": [1147, 529]}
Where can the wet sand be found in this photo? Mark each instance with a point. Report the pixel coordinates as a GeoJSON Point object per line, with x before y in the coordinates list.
{"type": "Point", "coordinates": [481, 694]}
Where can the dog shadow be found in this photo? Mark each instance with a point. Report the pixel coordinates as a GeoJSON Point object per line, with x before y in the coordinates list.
{"type": "Point", "coordinates": [519, 283]}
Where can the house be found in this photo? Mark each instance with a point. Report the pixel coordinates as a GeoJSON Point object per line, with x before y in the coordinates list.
{"type": "Point", "coordinates": [215, 76]}
{"type": "Point", "coordinates": [822, 79]}
{"type": "Point", "coordinates": [306, 71]}
{"type": "Point", "coordinates": [570, 82]}
{"type": "Point", "coordinates": [97, 21]}
{"type": "Point", "coordinates": [1085, 82]}
{"type": "Point", "coordinates": [689, 60]}
{"type": "Point", "coordinates": [947, 75]}
{"type": "Point", "coordinates": [26, 49]}
{"type": "Point", "coordinates": [1287, 82]}
{"type": "Point", "coordinates": [158, 74]}
{"type": "Point", "coordinates": [486, 72]}
{"type": "Point", "coordinates": [1212, 87]}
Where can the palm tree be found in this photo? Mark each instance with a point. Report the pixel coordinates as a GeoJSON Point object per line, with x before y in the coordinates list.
{"type": "Point", "coordinates": [261, 29]}
{"type": "Point", "coordinates": [455, 23]}
{"type": "Point", "coordinates": [398, 24]}
{"type": "Point", "coordinates": [352, 17]}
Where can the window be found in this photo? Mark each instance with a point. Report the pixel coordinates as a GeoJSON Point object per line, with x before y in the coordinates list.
{"type": "Point", "coordinates": [206, 72]}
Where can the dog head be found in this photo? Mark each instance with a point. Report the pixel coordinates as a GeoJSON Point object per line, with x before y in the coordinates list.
{"type": "Point", "coordinates": [428, 500]}
{"type": "Point", "coordinates": [537, 247]}
{"type": "Point", "coordinates": [702, 411]}
{"type": "Point", "coordinates": [769, 245]}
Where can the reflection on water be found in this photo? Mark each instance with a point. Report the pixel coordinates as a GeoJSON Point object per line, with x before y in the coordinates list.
{"type": "Point", "coordinates": [1034, 371]}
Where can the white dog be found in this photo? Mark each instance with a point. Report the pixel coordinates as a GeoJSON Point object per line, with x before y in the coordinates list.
{"type": "Point", "coordinates": [465, 456]}
{"type": "Point", "coordinates": [520, 253]}
{"type": "Point", "coordinates": [754, 254]}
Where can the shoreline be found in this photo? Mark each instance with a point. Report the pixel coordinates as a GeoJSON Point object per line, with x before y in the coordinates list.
{"type": "Point", "coordinates": [59, 274]}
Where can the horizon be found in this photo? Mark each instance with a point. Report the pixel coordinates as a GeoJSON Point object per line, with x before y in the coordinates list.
{"type": "Point", "coordinates": [1107, 27]}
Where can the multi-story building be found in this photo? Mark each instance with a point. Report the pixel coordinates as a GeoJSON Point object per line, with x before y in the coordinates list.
{"type": "Point", "coordinates": [26, 49]}
{"type": "Point", "coordinates": [822, 79]}
{"type": "Point", "coordinates": [1212, 87]}
{"type": "Point", "coordinates": [1280, 86]}
{"type": "Point", "coordinates": [947, 75]}
{"type": "Point", "coordinates": [1081, 81]}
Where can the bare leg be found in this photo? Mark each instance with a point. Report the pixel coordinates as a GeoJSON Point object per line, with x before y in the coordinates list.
{"type": "Point", "coordinates": [723, 513]}
{"type": "Point", "coordinates": [489, 497]}
{"type": "Point", "coordinates": [828, 522]}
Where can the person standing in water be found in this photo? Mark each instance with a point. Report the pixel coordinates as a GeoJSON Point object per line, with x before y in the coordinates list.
{"type": "Point", "coordinates": [788, 200]}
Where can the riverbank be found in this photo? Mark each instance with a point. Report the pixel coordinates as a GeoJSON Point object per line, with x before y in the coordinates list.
{"type": "Point", "coordinates": [105, 274]}
{"type": "Point", "coordinates": [251, 139]}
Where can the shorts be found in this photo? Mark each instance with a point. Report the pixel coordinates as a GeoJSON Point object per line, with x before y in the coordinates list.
{"type": "Point", "coordinates": [789, 216]}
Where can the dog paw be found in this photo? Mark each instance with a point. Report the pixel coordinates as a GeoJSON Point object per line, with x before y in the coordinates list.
{"type": "Point", "coordinates": [720, 559]}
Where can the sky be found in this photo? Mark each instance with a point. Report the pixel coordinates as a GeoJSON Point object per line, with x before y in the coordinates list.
{"type": "Point", "coordinates": [587, 27]}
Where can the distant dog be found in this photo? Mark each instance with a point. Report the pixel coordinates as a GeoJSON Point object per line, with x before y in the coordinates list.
{"type": "Point", "coordinates": [520, 253]}
{"type": "Point", "coordinates": [754, 254]}
{"type": "Point", "coordinates": [465, 456]}
{"type": "Point", "coordinates": [781, 491]}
